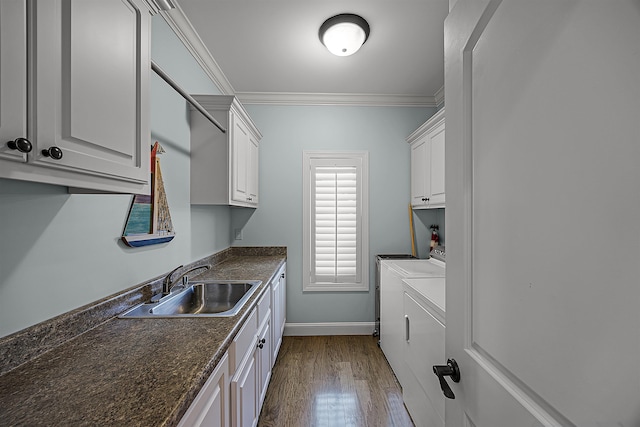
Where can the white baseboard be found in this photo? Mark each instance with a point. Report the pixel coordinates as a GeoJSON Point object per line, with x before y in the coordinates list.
{"type": "Point", "coordinates": [333, 328]}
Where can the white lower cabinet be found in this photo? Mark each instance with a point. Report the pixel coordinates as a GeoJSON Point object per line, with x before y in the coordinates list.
{"type": "Point", "coordinates": [244, 381]}
{"type": "Point", "coordinates": [278, 310]}
{"type": "Point", "coordinates": [264, 360]}
{"type": "Point", "coordinates": [211, 405]}
{"type": "Point", "coordinates": [233, 395]}
{"type": "Point", "coordinates": [423, 348]}
{"type": "Point", "coordinates": [244, 393]}
{"type": "Point", "coordinates": [263, 347]}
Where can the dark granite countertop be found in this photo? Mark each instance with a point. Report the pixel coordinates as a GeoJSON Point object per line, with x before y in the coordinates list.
{"type": "Point", "coordinates": [133, 372]}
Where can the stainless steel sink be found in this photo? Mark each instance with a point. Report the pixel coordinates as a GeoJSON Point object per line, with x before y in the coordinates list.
{"type": "Point", "coordinates": [202, 299]}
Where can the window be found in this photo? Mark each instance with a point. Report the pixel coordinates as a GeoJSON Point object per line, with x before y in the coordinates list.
{"type": "Point", "coordinates": [336, 240]}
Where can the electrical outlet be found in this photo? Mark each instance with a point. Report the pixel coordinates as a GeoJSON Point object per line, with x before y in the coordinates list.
{"type": "Point", "coordinates": [238, 232]}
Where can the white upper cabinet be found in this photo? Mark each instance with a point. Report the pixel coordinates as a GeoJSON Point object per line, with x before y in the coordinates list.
{"type": "Point", "coordinates": [253, 169]}
{"type": "Point", "coordinates": [87, 93]}
{"type": "Point", "coordinates": [13, 81]}
{"type": "Point", "coordinates": [427, 164]}
{"type": "Point", "coordinates": [224, 166]}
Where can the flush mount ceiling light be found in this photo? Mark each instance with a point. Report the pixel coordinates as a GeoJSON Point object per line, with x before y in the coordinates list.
{"type": "Point", "coordinates": [344, 34]}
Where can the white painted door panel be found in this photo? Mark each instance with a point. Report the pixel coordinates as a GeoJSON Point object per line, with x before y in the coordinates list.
{"type": "Point", "coordinates": [542, 212]}
{"type": "Point", "coordinates": [437, 159]}
{"type": "Point", "coordinates": [240, 143]}
{"type": "Point", "coordinates": [244, 390]}
{"type": "Point", "coordinates": [420, 185]}
{"type": "Point", "coordinates": [13, 76]}
{"type": "Point", "coordinates": [90, 99]}
{"type": "Point", "coordinates": [210, 408]}
{"type": "Point", "coordinates": [253, 167]}
{"type": "Point", "coordinates": [279, 307]}
{"type": "Point", "coordinates": [263, 357]}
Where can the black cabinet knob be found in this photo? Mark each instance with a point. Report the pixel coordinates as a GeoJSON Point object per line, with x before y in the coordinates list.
{"type": "Point", "coordinates": [260, 345]}
{"type": "Point", "coordinates": [23, 145]}
{"type": "Point", "coordinates": [53, 152]}
{"type": "Point", "coordinates": [263, 340]}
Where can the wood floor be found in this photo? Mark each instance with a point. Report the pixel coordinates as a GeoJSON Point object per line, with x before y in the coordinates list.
{"type": "Point", "coordinates": [333, 381]}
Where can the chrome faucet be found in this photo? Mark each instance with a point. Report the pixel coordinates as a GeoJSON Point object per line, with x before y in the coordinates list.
{"type": "Point", "coordinates": [167, 284]}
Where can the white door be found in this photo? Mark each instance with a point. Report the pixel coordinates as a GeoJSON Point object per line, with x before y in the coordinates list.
{"type": "Point", "coordinates": [543, 212]}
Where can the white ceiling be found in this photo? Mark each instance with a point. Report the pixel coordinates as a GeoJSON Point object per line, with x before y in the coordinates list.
{"type": "Point", "coordinates": [272, 46]}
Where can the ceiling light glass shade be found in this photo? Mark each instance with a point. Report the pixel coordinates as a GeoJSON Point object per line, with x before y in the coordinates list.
{"type": "Point", "coordinates": [344, 34]}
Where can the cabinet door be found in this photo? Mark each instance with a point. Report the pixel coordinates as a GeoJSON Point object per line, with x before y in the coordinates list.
{"type": "Point", "coordinates": [253, 171]}
{"type": "Point", "coordinates": [436, 137]}
{"type": "Point", "coordinates": [276, 339]}
{"type": "Point", "coordinates": [13, 76]}
{"type": "Point", "coordinates": [240, 153]}
{"type": "Point", "coordinates": [91, 87]}
{"type": "Point", "coordinates": [264, 360]}
{"type": "Point", "coordinates": [424, 347]}
{"type": "Point", "coordinates": [420, 173]}
{"type": "Point", "coordinates": [210, 407]}
{"type": "Point", "coordinates": [278, 311]}
{"type": "Point", "coordinates": [283, 300]}
{"type": "Point", "coordinates": [244, 390]}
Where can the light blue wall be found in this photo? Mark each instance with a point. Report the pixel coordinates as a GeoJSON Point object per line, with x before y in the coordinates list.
{"type": "Point", "coordinates": [287, 132]}
{"type": "Point", "coordinates": [61, 251]}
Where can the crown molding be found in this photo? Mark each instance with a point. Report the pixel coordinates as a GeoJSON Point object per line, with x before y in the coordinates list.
{"type": "Point", "coordinates": [153, 6]}
{"type": "Point", "coordinates": [351, 99]}
{"type": "Point", "coordinates": [180, 24]}
{"type": "Point", "coordinates": [431, 122]}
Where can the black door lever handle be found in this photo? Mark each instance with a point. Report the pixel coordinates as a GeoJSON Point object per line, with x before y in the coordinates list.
{"type": "Point", "coordinates": [449, 370]}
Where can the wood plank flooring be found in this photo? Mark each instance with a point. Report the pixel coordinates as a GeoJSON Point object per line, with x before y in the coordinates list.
{"type": "Point", "coordinates": [333, 381]}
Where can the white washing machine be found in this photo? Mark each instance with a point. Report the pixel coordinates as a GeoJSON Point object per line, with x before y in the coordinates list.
{"type": "Point", "coordinates": [392, 321]}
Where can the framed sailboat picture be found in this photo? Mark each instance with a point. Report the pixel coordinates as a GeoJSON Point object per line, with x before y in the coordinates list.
{"type": "Point", "coordinates": [149, 220]}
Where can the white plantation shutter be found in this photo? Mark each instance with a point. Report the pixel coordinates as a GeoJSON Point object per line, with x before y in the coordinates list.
{"type": "Point", "coordinates": [335, 219]}
{"type": "Point", "coordinates": [335, 215]}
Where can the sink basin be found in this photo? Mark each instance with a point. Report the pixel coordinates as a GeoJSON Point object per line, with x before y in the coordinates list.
{"type": "Point", "coordinates": [202, 299]}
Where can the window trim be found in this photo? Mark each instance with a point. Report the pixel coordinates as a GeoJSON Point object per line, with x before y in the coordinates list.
{"type": "Point", "coordinates": [361, 159]}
